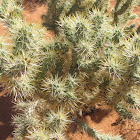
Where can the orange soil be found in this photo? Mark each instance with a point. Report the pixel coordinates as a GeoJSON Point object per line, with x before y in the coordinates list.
{"type": "Point", "coordinates": [103, 119]}
{"type": "Point", "coordinates": [136, 10]}
{"type": "Point", "coordinates": [33, 10]}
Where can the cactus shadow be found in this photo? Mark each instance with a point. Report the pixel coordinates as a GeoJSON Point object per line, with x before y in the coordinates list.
{"type": "Point", "coordinates": [99, 114]}
{"type": "Point", "coordinates": [5, 116]}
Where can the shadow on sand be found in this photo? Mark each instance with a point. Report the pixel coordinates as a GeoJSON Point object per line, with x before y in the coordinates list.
{"type": "Point", "coordinates": [5, 117]}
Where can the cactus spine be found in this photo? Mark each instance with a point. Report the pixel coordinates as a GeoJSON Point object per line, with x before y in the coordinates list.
{"type": "Point", "coordinates": [91, 60]}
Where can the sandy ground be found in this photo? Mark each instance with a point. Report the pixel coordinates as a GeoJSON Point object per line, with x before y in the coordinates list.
{"type": "Point", "coordinates": [106, 121]}
{"type": "Point", "coordinates": [103, 119]}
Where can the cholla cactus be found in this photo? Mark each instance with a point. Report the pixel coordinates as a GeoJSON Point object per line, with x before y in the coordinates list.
{"type": "Point", "coordinates": [58, 9]}
{"type": "Point", "coordinates": [90, 61]}
{"type": "Point", "coordinates": [96, 135]}
{"type": "Point", "coordinates": [122, 10]}
{"type": "Point", "coordinates": [38, 122]}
